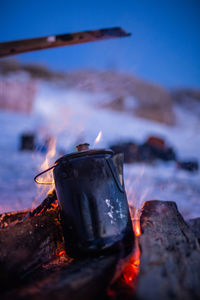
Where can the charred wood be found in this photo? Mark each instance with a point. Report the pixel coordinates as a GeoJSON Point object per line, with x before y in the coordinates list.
{"type": "Point", "coordinates": [26, 245]}
{"type": "Point", "coordinates": [81, 279]}
{"type": "Point", "coordinates": [30, 263]}
{"type": "Point", "coordinates": [46, 204]}
{"type": "Point", "coordinates": [12, 218]}
{"type": "Point", "coordinates": [169, 268]}
{"type": "Point", "coordinates": [170, 254]}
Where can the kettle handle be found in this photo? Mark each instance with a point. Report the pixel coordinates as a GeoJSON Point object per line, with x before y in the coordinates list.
{"type": "Point", "coordinates": [39, 182]}
{"type": "Point", "coordinates": [116, 178]}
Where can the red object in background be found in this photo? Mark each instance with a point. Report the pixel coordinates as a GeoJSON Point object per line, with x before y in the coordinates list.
{"type": "Point", "coordinates": [156, 142]}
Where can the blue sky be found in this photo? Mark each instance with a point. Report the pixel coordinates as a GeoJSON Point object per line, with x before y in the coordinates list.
{"type": "Point", "coordinates": [164, 47]}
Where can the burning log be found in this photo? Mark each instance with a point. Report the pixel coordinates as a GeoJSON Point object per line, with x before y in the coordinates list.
{"type": "Point", "coordinates": [34, 264]}
{"type": "Point", "coordinates": [29, 243]}
{"type": "Point", "coordinates": [81, 279]}
{"type": "Point", "coordinates": [26, 245]}
{"type": "Point", "coordinates": [170, 254]}
{"type": "Point", "coordinates": [12, 218]}
{"type": "Point", "coordinates": [47, 203]}
{"type": "Point", "coordinates": [31, 252]}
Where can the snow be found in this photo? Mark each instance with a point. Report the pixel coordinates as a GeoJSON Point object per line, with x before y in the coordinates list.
{"type": "Point", "coordinates": [72, 117]}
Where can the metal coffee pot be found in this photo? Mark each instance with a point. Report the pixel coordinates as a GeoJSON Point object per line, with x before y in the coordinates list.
{"type": "Point", "coordinates": [91, 195]}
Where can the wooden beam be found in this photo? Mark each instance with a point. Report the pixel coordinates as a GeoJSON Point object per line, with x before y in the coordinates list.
{"type": "Point", "coordinates": [21, 46]}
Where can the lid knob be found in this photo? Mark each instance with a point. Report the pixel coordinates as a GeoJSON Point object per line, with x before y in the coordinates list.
{"type": "Point", "coordinates": [82, 147]}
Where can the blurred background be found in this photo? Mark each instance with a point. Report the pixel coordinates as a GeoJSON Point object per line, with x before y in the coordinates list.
{"type": "Point", "coordinates": [140, 95]}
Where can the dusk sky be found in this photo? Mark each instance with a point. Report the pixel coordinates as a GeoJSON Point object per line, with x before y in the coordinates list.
{"type": "Point", "coordinates": [164, 46]}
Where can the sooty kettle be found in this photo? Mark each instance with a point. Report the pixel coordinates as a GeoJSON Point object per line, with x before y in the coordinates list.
{"type": "Point", "coordinates": [91, 194]}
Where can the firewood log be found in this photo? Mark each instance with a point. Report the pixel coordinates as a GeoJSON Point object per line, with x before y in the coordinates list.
{"type": "Point", "coordinates": [170, 255]}
{"type": "Point", "coordinates": [26, 245]}
{"type": "Point", "coordinates": [169, 268]}
{"type": "Point", "coordinates": [82, 279]}
{"type": "Point", "coordinates": [12, 218]}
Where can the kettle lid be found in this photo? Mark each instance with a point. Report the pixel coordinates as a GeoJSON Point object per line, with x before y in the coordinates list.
{"type": "Point", "coordinates": [83, 150]}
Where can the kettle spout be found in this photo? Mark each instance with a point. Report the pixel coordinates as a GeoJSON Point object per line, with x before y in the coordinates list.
{"type": "Point", "coordinates": [118, 160]}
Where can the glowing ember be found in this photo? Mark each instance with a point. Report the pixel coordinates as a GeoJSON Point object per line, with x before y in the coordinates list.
{"type": "Point", "coordinates": [131, 269]}
{"type": "Point", "coordinates": [62, 252]}
{"type": "Point", "coordinates": [54, 205]}
{"type": "Point", "coordinates": [126, 283]}
{"type": "Point", "coordinates": [98, 138]}
{"type": "Point", "coordinates": [37, 214]}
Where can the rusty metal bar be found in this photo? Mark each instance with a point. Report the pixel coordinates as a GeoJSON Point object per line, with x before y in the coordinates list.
{"type": "Point", "coordinates": [21, 46]}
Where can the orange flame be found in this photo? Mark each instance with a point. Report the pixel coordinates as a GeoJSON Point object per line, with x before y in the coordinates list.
{"type": "Point", "coordinates": [135, 217]}
{"type": "Point", "coordinates": [47, 177]}
{"type": "Point", "coordinates": [54, 205]}
{"type": "Point", "coordinates": [126, 283]}
{"type": "Point", "coordinates": [136, 227]}
{"type": "Point", "coordinates": [98, 138]}
{"type": "Point", "coordinates": [132, 268]}
{"type": "Point", "coordinates": [48, 160]}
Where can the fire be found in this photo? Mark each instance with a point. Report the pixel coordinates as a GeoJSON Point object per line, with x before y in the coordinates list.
{"type": "Point", "coordinates": [37, 214]}
{"type": "Point", "coordinates": [48, 160]}
{"type": "Point", "coordinates": [135, 217]}
{"type": "Point", "coordinates": [137, 231]}
{"type": "Point", "coordinates": [47, 177]}
{"type": "Point", "coordinates": [132, 268]}
{"type": "Point", "coordinates": [55, 205]}
{"type": "Point", "coordinates": [98, 138]}
{"type": "Point", "coordinates": [62, 252]}
{"type": "Point", "coordinates": [136, 227]}
{"type": "Point", "coordinates": [126, 283]}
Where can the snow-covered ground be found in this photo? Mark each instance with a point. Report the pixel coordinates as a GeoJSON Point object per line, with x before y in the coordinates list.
{"type": "Point", "coordinates": [72, 117]}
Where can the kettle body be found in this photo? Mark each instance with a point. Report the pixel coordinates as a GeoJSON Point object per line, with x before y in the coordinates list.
{"type": "Point", "coordinates": [94, 209]}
